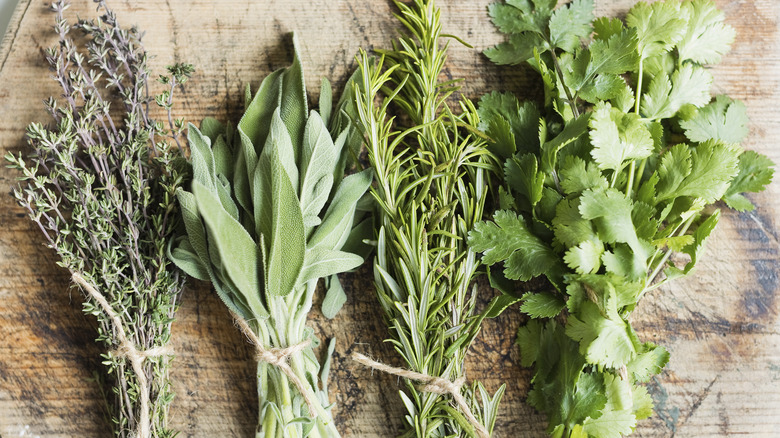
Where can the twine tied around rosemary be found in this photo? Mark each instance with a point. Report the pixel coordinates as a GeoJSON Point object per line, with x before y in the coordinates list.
{"type": "Point", "coordinates": [279, 357]}
{"type": "Point", "coordinates": [129, 352]}
{"type": "Point", "coordinates": [432, 384]}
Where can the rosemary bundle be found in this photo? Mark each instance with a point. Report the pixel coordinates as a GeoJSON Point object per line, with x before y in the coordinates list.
{"type": "Point", "coordinates": [431, 169]}
{"type": "Point", "coordinates": [269, 214]}
{"type": "Point", "coordinates": [100, 185]}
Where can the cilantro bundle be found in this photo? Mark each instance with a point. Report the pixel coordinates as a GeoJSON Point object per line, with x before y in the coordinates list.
{"type": "Point", "coordinates": [430, 168]}
{"type": "Point", "coordinates": [604, 182]}
{"type": "Point", "coordinates": [99, 183]}
{"type": "Point", "coordinates": [269, 214]}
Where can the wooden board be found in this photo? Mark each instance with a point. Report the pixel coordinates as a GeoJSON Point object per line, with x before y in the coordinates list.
{"type": "Point", "coordinates": [721, 325]}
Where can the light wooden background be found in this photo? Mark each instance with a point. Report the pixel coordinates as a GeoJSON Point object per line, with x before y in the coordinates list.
{"type": "Point", "coordinates": [721, 326]}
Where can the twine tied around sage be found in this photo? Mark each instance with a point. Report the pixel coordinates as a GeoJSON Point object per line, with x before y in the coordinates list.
{"type": "Point", "coordinates": [279, 357]}
{"type": "Point", "coordinates": [432, 384]}
{"type": "Point", "coordinates": [129, 352]}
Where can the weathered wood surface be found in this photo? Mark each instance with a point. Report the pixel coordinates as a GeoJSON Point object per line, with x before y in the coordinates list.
{"type": "Point", "coordinates": [721, 326]}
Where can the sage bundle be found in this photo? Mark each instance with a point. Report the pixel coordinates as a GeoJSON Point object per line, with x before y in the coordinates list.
{"type": "Point", "coordinates": [431, 170]}
{"type": "Point", "coordinates": [100, 185]}
{"type": "Point", "coordinates": [269, 213]}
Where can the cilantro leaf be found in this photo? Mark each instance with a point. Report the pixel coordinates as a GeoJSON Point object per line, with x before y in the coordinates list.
{"type": "Point", "coordinates": [520, 121]}
{"type": "Point", "coordinates": [604, 340]}
{"type": "Point", "coordinates": [723, 119]}
{"type": "Point", "coordinates": [611, 211]}
{"type": "Point", "coordinates": [570, 134]}
{"type": "Point", "coordinates": [517, 16]}
{"type": "Point", "coordinates": [569, 226]}
{"type": "Point", "coordinates": [617, 137]}
{"type": "Point", "coordinates": [603, 87]}
{"type": "Point", "coordinates": [643, 403]}
{"type": "Point", "coordinates": [577, 176]}
{"type": "Point", "coordinates": [526, 23]}
{"type": "Point", "coordinates": [605, 27]}
{"type": "Point", "coordinates": [660, 26]}
{"type": "Point", "coordinates": [561, 387]}
{"type": "Point", "coordinates": [755, 173]}
{"type": "Point", "coordinates": [522, 176]}
{"type": "Point", "coordinates": [707, 37]}
{"type": "Point", "coordinates": [611, 424]}
{"type": "Point", "coordinates": [674, 168]}
{"type": "Point", "coordinates": [508, 239]}
{"type": "Point", "coordinates": [542, 304]}
{"type": "Point", "coordinates": [712, 166]}
{"type": "Point", "coordinates": [569, 25]}
{"type": "Point", "coordinates": [585, 258]}
{"type": "Point", "coordinates": [518, 49]}
{"type": "Point", "coordinates": [688, 85]}
{"type": "Point", "coordinates": [613, 56]}
{"type": "Point", "coordinates": [648, 363]}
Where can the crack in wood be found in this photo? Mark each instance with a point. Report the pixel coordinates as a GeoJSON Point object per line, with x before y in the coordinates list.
{"type": "Point", "coordinates": [10, 43]}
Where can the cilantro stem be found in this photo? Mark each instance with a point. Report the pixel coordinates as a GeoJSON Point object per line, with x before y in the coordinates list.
{"type": "Point", "coordinates": [614, 179]}
{"type": "Point", "coordinates": [640, 172]}
{"type": "Point", "coordinates": [569, 97]}
{"type": "Point", "coordinates": [640, 75]}
{"type": "Point", "coordinates": [667, 254]}
{"type": "Point", "coordinates": [630, 183]}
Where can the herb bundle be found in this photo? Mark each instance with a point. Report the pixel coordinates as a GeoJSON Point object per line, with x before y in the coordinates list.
{"type": "Point", "coordinates": [99, 184]}
{"type": "Point", "coordinates": [615, 174]}
{"type": "Point", "coordinates": [431, 169]}
{"type": "Point", "coordinates": [269, 214]}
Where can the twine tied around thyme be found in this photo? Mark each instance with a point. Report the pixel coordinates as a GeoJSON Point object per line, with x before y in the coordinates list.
{"type": "Point", "coordinates": [279, 357]}
{"type": "Point", "coordinates": [129, 352]}
{"type": "Point", "coordinates": [432, 384]}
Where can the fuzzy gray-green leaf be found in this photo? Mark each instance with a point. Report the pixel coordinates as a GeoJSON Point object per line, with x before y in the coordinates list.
{"type": "Point", "coordinates": [334, 298]}
{"type": "Point", "coordinates": [320, 263]}
{"type": "Point", "coordinates": [318, 160]}
{"type": "Point", "coordinates": [287, 241]}
{"type": "Point", "coordinates": [238, 251]}
{"type": "Point", "coordinates": [337, 223]}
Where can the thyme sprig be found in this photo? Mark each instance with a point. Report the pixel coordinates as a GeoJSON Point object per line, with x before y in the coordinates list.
{"type": "Point", "coordinates": [430, 173]}
{"type": "Point", "coordinates": [99, 184]}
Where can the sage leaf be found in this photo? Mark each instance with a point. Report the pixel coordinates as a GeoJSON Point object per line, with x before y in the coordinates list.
{"type": "Point", "coordinates": [236, 247]}
{"type": "Point", "coordinates": [321, 263]}
{"type": "Point", "coordinates": [287, 241]}
{"type": "Point", "coordinates": [333, 302]}
{"type": "Point", "coordinates": [317, 165]}
{"type": "Point", "coordinates": [337, 223]}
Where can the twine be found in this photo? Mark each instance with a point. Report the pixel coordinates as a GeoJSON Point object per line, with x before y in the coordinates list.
{"type": "Point", "coordinates": [432, 384]}
{"type": "Point", "coordinates": [279, 357]}
{"type": "Point", "coordinates": [128, 351]}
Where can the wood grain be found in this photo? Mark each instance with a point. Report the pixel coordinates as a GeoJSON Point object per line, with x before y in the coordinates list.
{"type": "Point", "coordinates": [721, 325]}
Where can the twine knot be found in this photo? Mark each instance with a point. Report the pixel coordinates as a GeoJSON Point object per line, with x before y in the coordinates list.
{"type": "Point", "coordinates": [279, 357]}
{"type": "Point", "coordinates": [439, 385]}
{"type": "Point", "coordinates": [432, 384]}
{"type": "Point", "coordinates": [129, 352]}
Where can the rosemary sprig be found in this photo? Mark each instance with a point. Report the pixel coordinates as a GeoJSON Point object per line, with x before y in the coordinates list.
{"type": "Point", "coordinates": [269, 214]}
{"type": "Point", "coordinates": [430, 172]}
{"type": "Point", "coordinates": [99, 184]}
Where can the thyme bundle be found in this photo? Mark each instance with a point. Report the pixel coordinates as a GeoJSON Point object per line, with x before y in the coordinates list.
{"type": "Point", "coordinates": [430, 189]}
{"type": "Point", "coordinates": [269, 214]}
{"type": "Point", "coordinates": [99, 184]}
